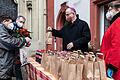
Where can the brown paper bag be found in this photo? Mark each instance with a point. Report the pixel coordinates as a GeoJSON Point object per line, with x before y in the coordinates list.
{"type": "Point", "coordinates": [88, 70]}
{"type": "Point", "coordinates": [64, 69]}
{"type": "Point", "coordinates": [48, 63]}
{"type": "Point", "coordinates": [96, 71]}
{"type": "Point", "coordinates": [101, 64]}
{"type": "Point", "coordinates": [49, 37]}
{"type": "Point", "coordinates": [79, 71]}
{"type": "Point", "coordinates": [102, 69]}
{"type": "Point", "coordinates": [108, 79]}
{"type": "Point", "coordinates": [58, 68]}
{"type": "Point", "coordinates": [72, 70]}
{"type": "Point", "coordinates": [43, 59]}
{"type": "Point", "coordinates": [53, 65]}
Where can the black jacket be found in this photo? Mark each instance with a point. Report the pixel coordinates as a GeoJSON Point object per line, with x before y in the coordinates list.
{"type": "Point", "coordinates": [8, 45]}
{"type": "Point", "coordinates": [77, 32]}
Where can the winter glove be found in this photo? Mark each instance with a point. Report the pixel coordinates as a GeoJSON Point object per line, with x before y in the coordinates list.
{"type": "Point", "coordinates": [110, 73]}
{"type": "Point", "coordinates": [28, 41]}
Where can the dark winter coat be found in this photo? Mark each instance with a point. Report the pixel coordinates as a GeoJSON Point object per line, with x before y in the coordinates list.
{"type": "Point", "coordinates": [8, 45]}
{"type": "Point", "coordinates": [77, 32]}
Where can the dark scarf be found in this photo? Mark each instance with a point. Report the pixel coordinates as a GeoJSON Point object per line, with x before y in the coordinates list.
{"type": "Point", "coordinates": [115, 17]}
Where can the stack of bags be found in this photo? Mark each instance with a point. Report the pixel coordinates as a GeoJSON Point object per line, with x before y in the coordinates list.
{"type": "Point", "coordinates": [74, 65]}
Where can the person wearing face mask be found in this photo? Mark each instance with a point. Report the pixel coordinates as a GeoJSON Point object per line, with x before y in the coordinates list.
{"type": "Point", "coordinates": [18, 24]}
{"type": "Point", "coordinates": [112, 13]}
{"type": "Point", "coordinates": [20, 21]}
{"type": "Point", "coordinates": [110, 46]}
{"type": "Point", "coordinates": [8, 45]}
{"type": "Point", "coordinates": [75, 32]}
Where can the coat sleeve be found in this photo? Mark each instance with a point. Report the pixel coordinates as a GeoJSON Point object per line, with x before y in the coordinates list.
{"type": "Point", "coordinates": [86, 36]}
{"type": "Point", "coordinates": [9, 42]}
{"type": "Point", "coordinates": [57, 33]}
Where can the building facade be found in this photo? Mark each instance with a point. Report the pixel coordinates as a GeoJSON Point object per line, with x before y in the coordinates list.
{"type": "Point", "coordinates": [35, 13]}
{"type": "Point", "coordinates": [92, 11]}
{"type": "Point", "coordinates": [58, 14]}
{"type": "Point", "coordinates": [43, 13]}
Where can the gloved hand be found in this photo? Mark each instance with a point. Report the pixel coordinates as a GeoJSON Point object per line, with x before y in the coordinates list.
{"type": "Point", "coordinates": [28, 44]}
{"type": "Point", "coordinates": [110, 73]}
{"type": "Point", "coordinates": [28, 41]}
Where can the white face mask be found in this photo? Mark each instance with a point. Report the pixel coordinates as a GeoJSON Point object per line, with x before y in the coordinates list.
{"type": "Point", "coordinates": [10, 26]}
{"type": "Point", "coordinates": [20, 24]}
{"type": "Point", "coordinates": [109, 15]}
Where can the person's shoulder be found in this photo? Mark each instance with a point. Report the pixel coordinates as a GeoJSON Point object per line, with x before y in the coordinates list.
{"type": "Point", "coordinates": [82, 21]}
{"type": "Point", "coordinates": [115, 24]}
{"type": "Point", "coordinates": [2, 28]}
{"type": "Point", "coordinates": [117, 21]}
{"type": "Point", "coordinates": [1, 25]}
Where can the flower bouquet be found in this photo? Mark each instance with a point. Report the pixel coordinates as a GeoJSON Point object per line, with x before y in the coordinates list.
{"type": "Point", "coordinates": [22, 32]}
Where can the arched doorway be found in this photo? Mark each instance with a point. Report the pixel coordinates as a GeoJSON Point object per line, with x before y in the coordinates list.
{"type": "Point", "coordinates": [8, 7]}
{"type": "Point", "coordinates": [59, 23]}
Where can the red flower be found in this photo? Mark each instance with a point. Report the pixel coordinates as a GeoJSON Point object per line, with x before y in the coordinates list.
{"type": "Point", "coordinates": [24, 32]}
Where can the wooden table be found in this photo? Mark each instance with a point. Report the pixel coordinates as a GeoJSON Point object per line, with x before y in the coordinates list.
{"type": "Point", "coordinates": [37, 72]}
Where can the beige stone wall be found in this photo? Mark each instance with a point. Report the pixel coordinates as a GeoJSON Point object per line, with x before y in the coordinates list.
{"type": "Point", "coordinates": [36, 21]}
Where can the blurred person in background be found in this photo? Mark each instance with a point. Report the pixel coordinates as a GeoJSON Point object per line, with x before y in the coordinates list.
{"type": "Point", "coordinates": [16, 26]}
{"type": "Point", "coordinates": [8, 45]}
{"type": "Point", "coordinates": [110, 46]}
{"type": "Point", "coordinates": [19, 23]}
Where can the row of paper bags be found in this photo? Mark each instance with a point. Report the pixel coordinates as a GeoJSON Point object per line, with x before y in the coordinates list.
{"type": "Point", "coordinates": [74, 66]}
